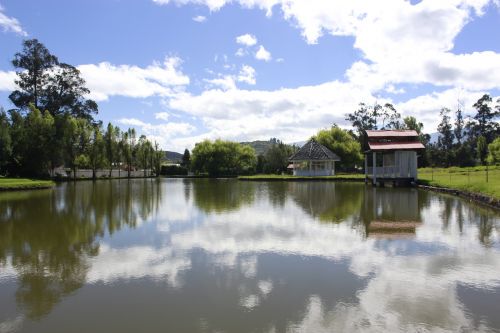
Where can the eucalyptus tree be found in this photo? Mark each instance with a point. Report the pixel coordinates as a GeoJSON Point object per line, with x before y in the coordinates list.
{"type": "Point", "coordinates": [158, 154]}
{"type": "Point", "coordinates": [39, 129]}
{"type": "Point", "coordinates": [96, 150]}
{"type": "Point", "coordinates": [48, 84]}
{"type": "Point", "coordinates": [485, 120]}
{"type": "Point", "coordinates": [374, 117]}
{"type": "Point", "coordinates": [33, 65]}
{"type": "Point", "coordinates": [77, 133]}
{"type": "Point", "coordinates": [144, 151]}
{"type": "Point", "coordinates": [445, 139]}
{"type": "Point", "coordinates": [5, 142]}
{"type": "Point", "coordinates": [113, 155]}
{"type": "Point", "coordinates": [482, 149]}
{"type": "Point", "coordinates": [126, 150]}
{"type": "Point", "coordinates": [65, 93]}
{"type": "Point", "coordinates": [186, 158]}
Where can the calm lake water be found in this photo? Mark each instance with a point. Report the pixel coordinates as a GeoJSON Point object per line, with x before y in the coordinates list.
{"type": "Point", "coordinates": [174, 255]}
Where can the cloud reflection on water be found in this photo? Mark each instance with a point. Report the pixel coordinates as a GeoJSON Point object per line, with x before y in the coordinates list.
{"type": "Point", "coordinates": [262, 241]}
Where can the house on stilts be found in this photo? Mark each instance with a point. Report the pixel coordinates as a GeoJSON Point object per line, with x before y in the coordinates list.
{"type": "Point", "coordinates": [391, 156]}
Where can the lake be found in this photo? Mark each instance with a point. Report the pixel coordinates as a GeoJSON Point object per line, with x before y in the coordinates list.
{"type": "Point", "coordinates": [199, 255]}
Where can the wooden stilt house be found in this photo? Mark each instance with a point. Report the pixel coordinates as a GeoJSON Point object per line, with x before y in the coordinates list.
{"type": "Point", "coordinates": [391, 156]}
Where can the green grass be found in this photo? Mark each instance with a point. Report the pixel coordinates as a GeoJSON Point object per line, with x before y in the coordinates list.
{"type": "Point", "coordinates": [349, 176]}
{"type": "Point", "coordinates": [471, 179]}
{"type": "Point", "coordinates": [24, 184]}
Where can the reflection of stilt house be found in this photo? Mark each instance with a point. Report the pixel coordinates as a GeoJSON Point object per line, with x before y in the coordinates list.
{"type": "Point", "coordinates": [392, 213]}
{"type": "Point", "coordinates": [391, 156]}
{"type": "Point", "coordinates": [313, 159]}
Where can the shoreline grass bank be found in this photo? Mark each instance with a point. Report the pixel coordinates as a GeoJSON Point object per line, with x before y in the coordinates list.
{"type": "Point", "coordinates": [340, 177]}
{"type": "Point", "coordinates": [18, 184]}
{"type": "Point", "coordinates": [478, 184]}
{"type": "Point", "coordinates": [473, 180]}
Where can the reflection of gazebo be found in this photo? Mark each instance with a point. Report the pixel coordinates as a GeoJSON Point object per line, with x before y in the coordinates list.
{"type": "Point", "coordinates": [313, 159]}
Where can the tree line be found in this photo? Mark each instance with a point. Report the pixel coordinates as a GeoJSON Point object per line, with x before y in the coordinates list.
{"type": "Point", "coordinates": [53, 124]}
{"type": "Point", "coordinates": [462, 140]}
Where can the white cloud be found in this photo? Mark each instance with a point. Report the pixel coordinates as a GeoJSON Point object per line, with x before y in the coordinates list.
{"type": "Point", "coordinates": [200, 18]}
{"type": "Point", "coordinates": [224, 82]}
{"type": "Point", "coordinates": [400, 41]}
{"type": "Point", "coordinates": [262, 54]}
{"type": "Point", "coordinates": [105, 79]}
{"type": "Point", "coordinates": [11, 24]}
{"type": "Point", "coordinates": [162, 116]}
{"type": "Point", "coordinates": [162, 133]}
{"type": "Point", "coordinates": [247, 75]}
{"type": "Point", "coordinates": [241, 52]}
{"type": "Point", "coordinates": [426, 107]}
{"type": "Point", "coordinates": [228, 81]}
{"type": "Point", "coordinates": [247, 40]}
{"type": "Point", "coordinates": [215, 5]}
{"type": "Point", "coordinates": [7, 80]}
{"type": "Point", "coordinates": [290, 114]}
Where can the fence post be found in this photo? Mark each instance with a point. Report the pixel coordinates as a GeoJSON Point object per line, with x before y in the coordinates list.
{"type": "Point", "coordinates": [486, 172]}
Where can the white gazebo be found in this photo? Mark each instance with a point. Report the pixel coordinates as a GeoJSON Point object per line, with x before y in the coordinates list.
{"type": "Point", "coordinates": [313, 159]}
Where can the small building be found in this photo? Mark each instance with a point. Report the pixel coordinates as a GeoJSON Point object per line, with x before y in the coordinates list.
{"type": "Point", "coordinates": [313, 159]}
{"type": "Point", "coordinates": [391, 155]}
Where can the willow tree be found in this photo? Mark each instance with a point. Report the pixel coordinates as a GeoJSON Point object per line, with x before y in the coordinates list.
{"type": "Point", "coordinates": [343, 144]}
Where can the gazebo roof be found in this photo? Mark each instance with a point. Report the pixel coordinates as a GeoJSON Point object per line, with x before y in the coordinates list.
{"type": "Point", "coordinates": [314, 151]}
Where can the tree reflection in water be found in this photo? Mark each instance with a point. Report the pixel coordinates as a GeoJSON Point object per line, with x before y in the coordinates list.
{"type": "Point", "coordinates": [48, 236]}
{"type": "Point", "coordinates": [224, 255]}
{"type": "Point", "coordinates": [222, 195]}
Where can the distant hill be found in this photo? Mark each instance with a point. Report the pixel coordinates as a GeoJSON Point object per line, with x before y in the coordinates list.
{"type": "Point", "coordinates": [261, 146]}
{"type": "Point", "coordinates": [173, 156]}
{"type": "Point", "coordinates": [299, 143]}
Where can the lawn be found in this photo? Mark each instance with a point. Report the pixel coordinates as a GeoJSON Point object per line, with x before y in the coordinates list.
{"type": "Point", "coordinates": [473, 179]}
{"type": "Point", "coordinates": [24, 184]}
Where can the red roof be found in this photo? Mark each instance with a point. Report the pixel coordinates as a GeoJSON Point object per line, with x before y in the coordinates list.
{"type": "Point", "coordinates": [395, 145]}
{"type": "Point", "coordinates": [391, 134]}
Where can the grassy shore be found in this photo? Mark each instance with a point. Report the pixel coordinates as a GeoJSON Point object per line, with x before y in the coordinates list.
{"type": "Point", "coordinates": [474, 179]}
{"type": "Point", "coordinates": [7, 184]}
{"type": "Point", "coordinates": [350, 176]}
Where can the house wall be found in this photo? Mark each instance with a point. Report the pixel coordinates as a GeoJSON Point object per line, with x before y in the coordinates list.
{"type": "Point", "coordinates": [398, 164]}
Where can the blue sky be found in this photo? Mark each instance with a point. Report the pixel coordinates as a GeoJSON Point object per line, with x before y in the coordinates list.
{"type": "Point", "coordinates": [184, 70]}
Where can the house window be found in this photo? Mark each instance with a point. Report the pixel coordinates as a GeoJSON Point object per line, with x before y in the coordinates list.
{"type": "Point", "coordinates": [302, 165]}
{"type": "Point", "coordinates": [389, 160]}
{"type": "Point", "coordinates": [318, 165]}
